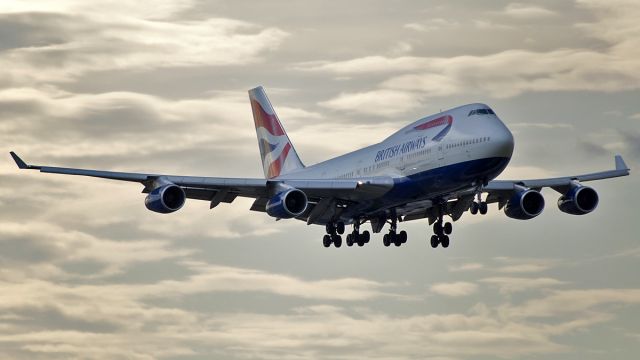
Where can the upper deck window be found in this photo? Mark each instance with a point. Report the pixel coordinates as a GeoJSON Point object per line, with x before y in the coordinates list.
{"type": "Point", "coordinates": [481, 112]}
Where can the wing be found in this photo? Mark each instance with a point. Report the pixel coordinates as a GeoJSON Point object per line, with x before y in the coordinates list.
{"type": "Point", "coordinates": [500, 191]}
{"type": "Point", "coordinates": [217, 189]}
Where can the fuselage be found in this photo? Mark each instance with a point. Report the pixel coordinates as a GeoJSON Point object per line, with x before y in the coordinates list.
{"type": "Point", "coordinates": [435, 155]}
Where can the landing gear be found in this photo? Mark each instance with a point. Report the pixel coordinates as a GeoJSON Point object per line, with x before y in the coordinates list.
{"type": "Point", "coordinates": [441, 233]}
{"type": "Point", "coordinates": [356, 238]}
{"type": "Point", "coordinates": [334, 230]}
{"type": "Point", "coordinates": [332, 236]}
{"type": "Point", "coordinates": [393, 237]}
{"type": "Point", "coordinates": [479, 206]}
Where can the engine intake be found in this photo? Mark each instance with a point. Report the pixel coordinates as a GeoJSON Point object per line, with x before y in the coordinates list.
{"type": "Point", "coordinates": [525, 205]}
{"type": "Point", "coordinates": [580, 200]}
{"type": "Point", "coordinates": [165, 199]}
{"type": "Point", "coordinates": [287, 204]}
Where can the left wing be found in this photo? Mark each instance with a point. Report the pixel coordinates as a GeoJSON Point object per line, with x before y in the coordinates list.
{"type": "Point", "coordinates": [560, 184]}
{"type": "Point", "coordinates": [217, 189]}
{"type": "Point", "coordinates": [501, 191]}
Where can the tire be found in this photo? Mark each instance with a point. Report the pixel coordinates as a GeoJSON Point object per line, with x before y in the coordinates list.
{"type": "Point", "coordinates": [396, 241]}
{"type": "Point", "coordinates": [385, 240]}
{"type": "Point", "coordinates": [403, 236]}
{"type": "Point", "coordinates": [340, 227]}
{"type": "Point", "coordinates": [437, 227]}
{"type": "Point", "coordinates": [434, 241]}
{"type": "Point", "coordinates": [366, 236]}
{"type": "Point", "coordinates": [349, 240]}
{"type": "Point", "coordinates": [483, 208]}
{"type": "Point", "coordinates": [448, 228]}
{"type": "Point", "coordinates": [444, 240]}
{"type": "Point", "coordinates": [474, 208]}
{"type": "Point", "coordinates": [329, 229]}
{"type": "Point", "coordinates": [337, 240]}
{"type": "Point", "coordinates": [326, 241]}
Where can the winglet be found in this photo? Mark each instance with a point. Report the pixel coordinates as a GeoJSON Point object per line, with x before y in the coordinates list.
{"type": "Point", "coordinates": [21, 164]}
{"type": "Point", "coordinates": [620, 164]}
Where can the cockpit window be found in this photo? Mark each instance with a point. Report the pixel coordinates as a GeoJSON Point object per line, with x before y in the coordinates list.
{"type": "Point", "coordinates": [481, 112]}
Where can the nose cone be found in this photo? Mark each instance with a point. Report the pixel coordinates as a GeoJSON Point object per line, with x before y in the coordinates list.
{"type": "Point", "coordinates": [502, 142]}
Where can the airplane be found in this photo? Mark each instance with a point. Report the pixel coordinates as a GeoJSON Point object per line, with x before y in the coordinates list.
{"type": "Point", "coordinates": [440, 165]}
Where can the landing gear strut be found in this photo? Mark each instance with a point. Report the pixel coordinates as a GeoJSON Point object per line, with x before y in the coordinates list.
{"type": "Point", "coordinates": [393, 237]}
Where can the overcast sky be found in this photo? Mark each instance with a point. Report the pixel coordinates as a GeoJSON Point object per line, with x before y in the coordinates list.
{"type": "Point", "coordinates": [87, 272]}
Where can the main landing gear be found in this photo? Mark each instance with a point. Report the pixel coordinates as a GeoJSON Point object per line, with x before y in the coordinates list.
{"type": "Point", "coordinates": [356, 238]}
{"type": "Point", "coordinates": [334, 230]}
{"type": "Point", "coordinates": [479, 206]}
{"type": "Point", "coordinates": [393, 237]}
{"type": "Point", "coordinates": [441, 233]}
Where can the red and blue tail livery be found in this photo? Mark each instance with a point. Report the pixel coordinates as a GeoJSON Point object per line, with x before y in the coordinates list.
{"type": "Point", "coordinates": [277, 153]}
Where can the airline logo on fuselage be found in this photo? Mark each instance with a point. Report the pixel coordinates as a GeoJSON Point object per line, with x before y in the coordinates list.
{"type": "Point", "coordinates": [419, 143]}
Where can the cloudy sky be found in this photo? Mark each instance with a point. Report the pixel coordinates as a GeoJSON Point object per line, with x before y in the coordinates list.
{"type": "Point", "coordinates": [87, 272]}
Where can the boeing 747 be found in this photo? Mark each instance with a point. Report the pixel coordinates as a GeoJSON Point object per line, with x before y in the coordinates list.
{"type": "Point", "coordinates": [440, 166]}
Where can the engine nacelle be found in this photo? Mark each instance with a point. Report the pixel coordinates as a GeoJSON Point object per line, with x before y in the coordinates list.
{"type": "Point", "coordinates": [287, 204]}
{"type": "Point", "coordinates": [525, 205]}
{"type": "Point", "coordinates": [165, 199]}
{"type": "Point", "coordinates": [579, 200]}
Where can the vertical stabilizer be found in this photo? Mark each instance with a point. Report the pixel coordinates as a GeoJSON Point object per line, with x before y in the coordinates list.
{"type": "Point", "coordinates": [278, 155]}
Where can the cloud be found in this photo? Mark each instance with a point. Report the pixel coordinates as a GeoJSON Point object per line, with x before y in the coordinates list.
{"type": "Point", "coordinates": [509, 285]}
{"type": "Point", "coordinates": [565, 302]}
{"type": "Point", "coordinates": [99, 37]}
{"type": "Point", "coordinates": [377, 102]}
{"type": "Point", "coordinates": [525, 11]}
{"type": "Point", "coordinates": [432, 25]}
{"type": "Point", "coordinates": [467, 267]}
{"type": "Point", "coordinates": [454, 289]}
{"type": "Point", "coordinates": [507, 73]}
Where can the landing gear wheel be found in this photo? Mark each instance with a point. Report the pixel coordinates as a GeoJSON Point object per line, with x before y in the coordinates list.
{"type": "Point", "coordinates": [340, 227]}
{"type": "Point", "coordinates": [474, 208]}
{"type": "Point", "coordinates": [434, 241]}
{"type": "Point", "coordinates": [360, 240]}
{"type": "Point", "coordinates": [337, 240]}
{"type": "Point", "coordinates": [483, 208]}
{"type": "Point", "coordinates": [444, 240]}
{"type": "Point", "coordinates": [350, 240]}
{"type": "Point", "coordinates": [448, 228]}
{"type": "Point", "coordinates": [385, 240]}
{"type": "Point", "coordinates": [326, 241]}
{"type": "Point", "coordinates": [403, 236]}
{"type": "Point", "coordinates": [437, 227]}
{"type": "Point", "coordinates": [329, 228]}
{"type": "Point", "coordinates": [396, 239]}
{"type": "Point", "coordinates": [366, 236]}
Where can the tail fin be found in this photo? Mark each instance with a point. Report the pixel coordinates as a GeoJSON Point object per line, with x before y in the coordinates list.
{"type": "Point", "coordinates": [278, 155]}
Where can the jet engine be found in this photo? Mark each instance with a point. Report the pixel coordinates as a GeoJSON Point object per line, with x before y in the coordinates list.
{"type": "Point", "coordinates": [525, 205]}
{"type": "Point", "coordinates": [579, 200]}
{"type": "Point", "coordinates": [165, 199]}
{"type": "Point", "coordinates": [287, 204]}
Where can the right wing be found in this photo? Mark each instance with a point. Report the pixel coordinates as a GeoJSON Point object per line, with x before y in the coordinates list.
{"type": "Point", "coordinates": [217, 189]}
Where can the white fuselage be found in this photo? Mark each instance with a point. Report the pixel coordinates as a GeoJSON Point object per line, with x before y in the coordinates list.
{"type": "Point", "coordinates": [409, 151]}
